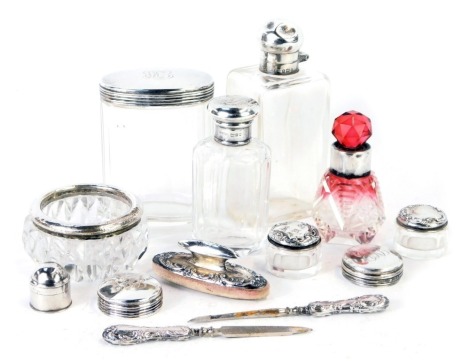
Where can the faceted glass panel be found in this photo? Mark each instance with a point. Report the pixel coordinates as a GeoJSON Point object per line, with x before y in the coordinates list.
{"type": "Point", "coordinates": [352, 129]}
{"type": "Point", "coordinates": [348, 209]}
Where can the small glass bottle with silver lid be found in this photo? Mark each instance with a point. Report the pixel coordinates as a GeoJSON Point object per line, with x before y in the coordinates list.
{"type": "Point", "coordinates": [293, 250]}
{"type": "Point", "coordinates": [421, 232]}
{"type": "Point", "coordinates": [151, 120]}
{"type": "Point", "coordinates": [231, 174]}
{"type": "Point", "coordinates": [293, 120]}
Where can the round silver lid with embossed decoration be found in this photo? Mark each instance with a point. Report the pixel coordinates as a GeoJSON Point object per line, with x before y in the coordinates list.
{"type": "Point", "coordinates": [294, 235]}
{"type": "Point", "coordinates": [150, 87]}
{"type": "Point", "coordinates": [372, 266]}
{"type": "Point", "coordinates": [130, 295]}
{"type": "Point", "coordinates": [422, 217]}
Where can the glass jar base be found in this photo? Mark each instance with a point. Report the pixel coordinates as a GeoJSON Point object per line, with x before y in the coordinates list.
{"type": "Point", "coordinates": [167, 212]}
{"type": "Point", "coordinates": [243, 246]}
{"type": "Point", "coordinates": [349, 241]}
{"type": "Point", "coordinates": [419, 254]}
{"type": "Point", "coordinates": [288, 209]}
{"type": "Point", "coordinates": [339, 236]}
{"type": "Point", "coordinates": [293, 274]}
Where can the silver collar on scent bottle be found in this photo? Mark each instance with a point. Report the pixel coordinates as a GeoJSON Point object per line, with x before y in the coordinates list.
{"type": "Point", "coordinates": [233, 115]}
{"type": "Point", "coordinates": [350, 163]}
{"type": "Point", "coordinates": [280, 45]}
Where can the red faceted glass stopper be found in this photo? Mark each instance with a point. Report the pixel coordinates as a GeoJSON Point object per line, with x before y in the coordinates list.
{"type": "Point", "coordinates": [352, 129]}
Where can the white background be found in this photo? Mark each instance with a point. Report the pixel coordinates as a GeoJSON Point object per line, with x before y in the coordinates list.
{"type": "Point", "coordinates": [403, 63]}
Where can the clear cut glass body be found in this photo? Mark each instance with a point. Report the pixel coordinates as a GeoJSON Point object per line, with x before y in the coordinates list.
{"type": "Point", "coordinates": [148, 151]}
{"type": "Point", "coordinates": [293, 122]}
{"type": "Point", "coordinates": [294, 264]}
{"type": "Point", "coordinates": [230, 194]}
{"type": "Point", "coordinates": [93, 258]}
{"type": "Point", "coordinates": [420, 244]}
{"type": "Point", "coordinates": [348, 210]}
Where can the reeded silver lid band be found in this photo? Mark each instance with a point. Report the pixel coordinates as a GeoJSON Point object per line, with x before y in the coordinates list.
{"type": "Point", "coordinates": [156, 88]}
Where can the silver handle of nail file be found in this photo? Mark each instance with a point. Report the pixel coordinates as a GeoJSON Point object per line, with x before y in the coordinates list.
{"type": "Point", "coordinates": [132, 335]}
{"type": "Point", "coordinates": [362, 304]}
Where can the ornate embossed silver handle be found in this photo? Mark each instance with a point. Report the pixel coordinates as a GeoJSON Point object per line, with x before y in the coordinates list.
{"type": "Point", "coordinates": [132, 335]}
{"type": "Point", "coordinates": [362, 304]}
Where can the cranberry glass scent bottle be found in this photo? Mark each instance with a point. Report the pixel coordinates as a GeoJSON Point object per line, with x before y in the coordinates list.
{"type": "Point", "coordinates": [293, 120]}
{"type": "Point", "coordinates": [348, 203]}
{"type": "Point", "coordinates": [231, 178]}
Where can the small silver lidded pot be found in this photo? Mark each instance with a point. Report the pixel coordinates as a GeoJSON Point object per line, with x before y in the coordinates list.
{"type": "Point", "coordinates": [130, 295]}
{"type": "Point", "coordinates": [370, 265]}
{"type": "Point", "coordinates": [50, 288]}
{"type": "Point", "coordinates": [421, 232]}
{"type": "Point", "coordinates": [293, 250]}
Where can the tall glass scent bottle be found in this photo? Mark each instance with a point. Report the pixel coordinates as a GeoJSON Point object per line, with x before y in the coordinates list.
{"type": "Point", "coordinates": [231, 174]}
{"type": "Point", "coordinates": [348, 205]}
{"type": "Point", "coordinates": [293, 120]}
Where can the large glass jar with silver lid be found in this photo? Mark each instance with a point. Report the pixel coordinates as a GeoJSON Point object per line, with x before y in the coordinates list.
{"type": "Point", "coordinates": [151, 120]}
{"type": "Point", "coordinates": [231, 178]}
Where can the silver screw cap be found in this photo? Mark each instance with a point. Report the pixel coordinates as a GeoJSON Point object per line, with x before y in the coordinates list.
{"type": "Point", "coordinates": [233, 115]}
{"type": "Point", "coordinates": [281, 37]}
{"type": "Point", "coordinates": [280, 47]}
{"type": "Point", "coordinates": [233, 110]}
